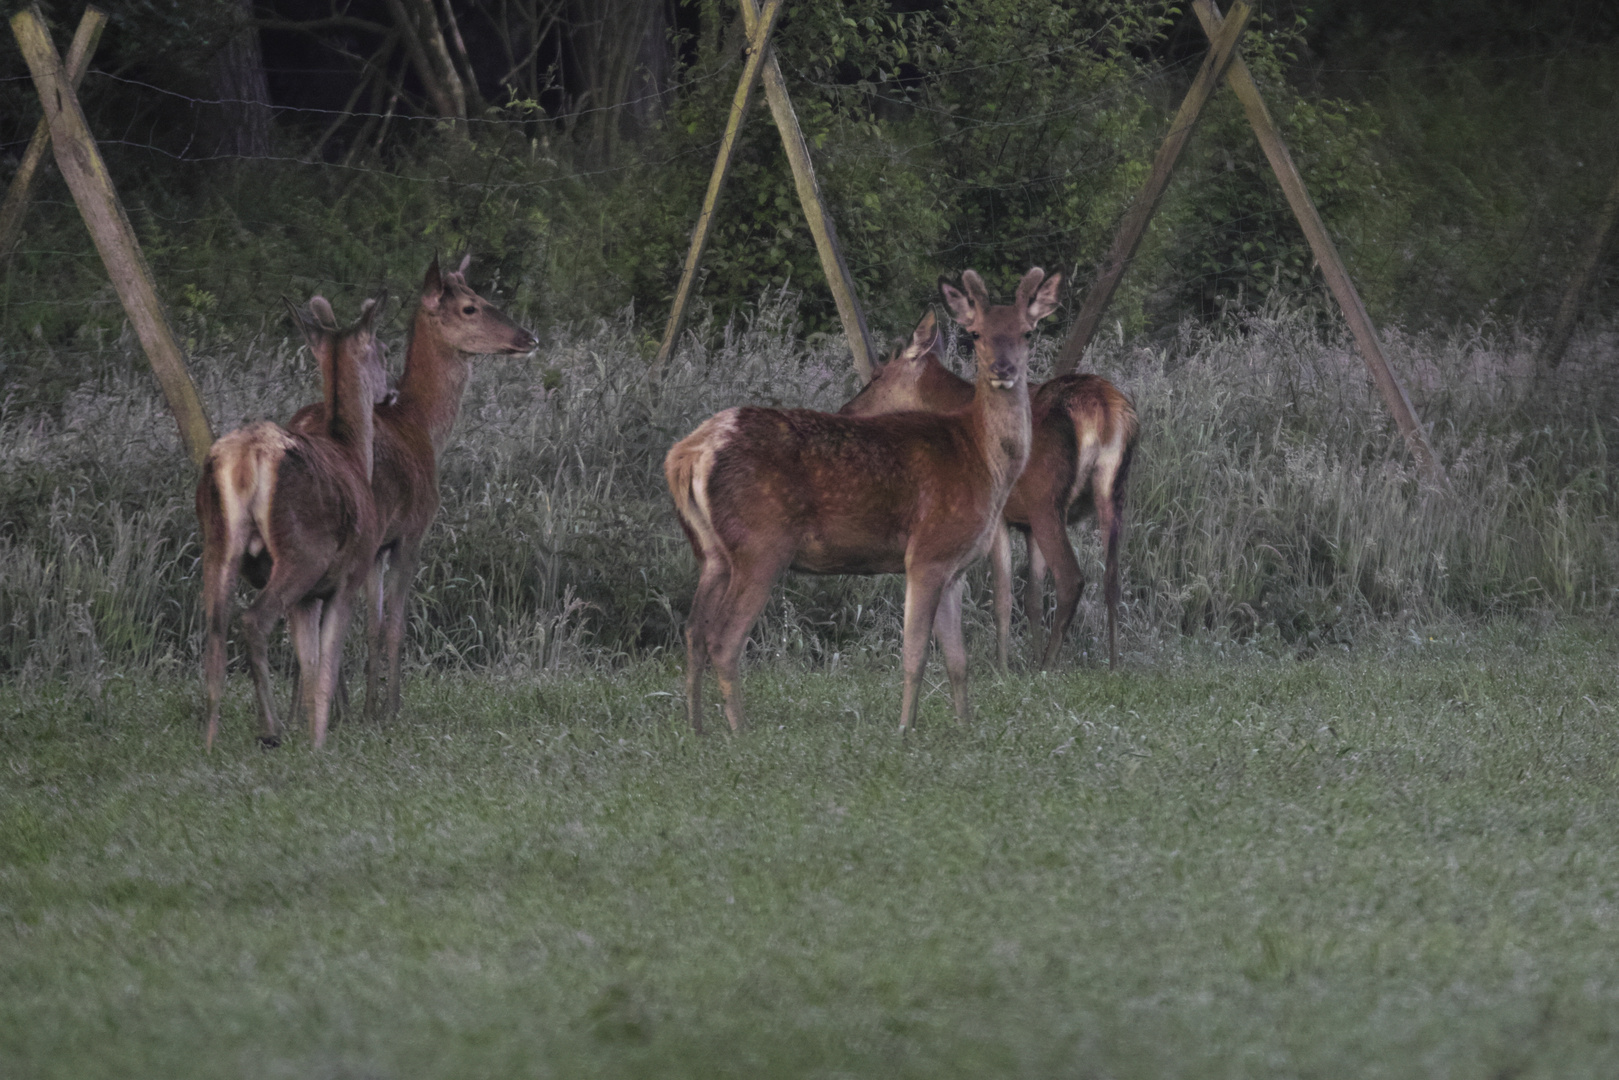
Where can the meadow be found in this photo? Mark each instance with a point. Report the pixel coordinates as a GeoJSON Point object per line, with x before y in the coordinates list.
{"type": "Point", "coordinates": [1347, 809]}
{"type": "Point", "coordinates": [1395, 859]}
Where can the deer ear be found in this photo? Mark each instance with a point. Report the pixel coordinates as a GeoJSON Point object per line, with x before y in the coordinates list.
{"type": "Point", "coordinates": [432, 286]}
{"type": "Point", "coordinates": [1044, 301]}
{"type": "Point", "coordinates": [961, 308]}
{"type": "Point", "coordinates": [975, 288]}
{"type": "Point", "coordinates": [321, 309]}
{"type": "Point", "coordinates": [318, 336]}
{"type": "Point", "coordinates": [923, 337]}
{"type": "Point", "coordinates": [371, 310]}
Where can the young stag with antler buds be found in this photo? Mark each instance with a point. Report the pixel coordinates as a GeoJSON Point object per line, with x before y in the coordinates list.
{"type": "Point", "coordinates": [1084, 437]}
{"type": "Point", "coordinates": [760, 491]}
{"type": "Point", "coordinates": [451, 324]}
{"type": "Point", "coordinates": [293, 512]}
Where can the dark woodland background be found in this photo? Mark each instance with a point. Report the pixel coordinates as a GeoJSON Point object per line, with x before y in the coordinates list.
{"type": "Point", "coordinates": [1459, 151]}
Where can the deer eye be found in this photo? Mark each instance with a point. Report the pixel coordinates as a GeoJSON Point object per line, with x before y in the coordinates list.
{"type": "Point", "coordinates": [973, 334]}
{"type": "Point", "coordinates": [1028, 335]}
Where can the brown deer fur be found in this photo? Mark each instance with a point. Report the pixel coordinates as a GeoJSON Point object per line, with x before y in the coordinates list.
{"type": "Point", "coordinates": [451, 323]}
{"type": "Point", "coordinates": [760, 491]}
{"type": "Point", "coordinates": [295, 508]}
{"type": "Point", "coordinates": [1084, 437]}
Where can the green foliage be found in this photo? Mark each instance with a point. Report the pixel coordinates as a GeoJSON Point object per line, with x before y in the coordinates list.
{"type": "Point", "coordinates": [987, 135]}
{"type": "Point", "coordinates": [1494, 173]}
{"type": "Point", "coordinates": [1224, 239]}
{"type": "Point", "coordinates": [994, 135]}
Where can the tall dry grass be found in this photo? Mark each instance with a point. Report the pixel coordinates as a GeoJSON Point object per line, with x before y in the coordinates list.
{"type": "Point", "coordinates": [1270, 497]}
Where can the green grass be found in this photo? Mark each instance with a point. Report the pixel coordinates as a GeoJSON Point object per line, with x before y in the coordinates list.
{"type": "Point", "coordinates": [1394, 859]}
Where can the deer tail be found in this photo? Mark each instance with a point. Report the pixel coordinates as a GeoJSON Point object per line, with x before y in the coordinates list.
{"type": "Point", "coordinates": [687, 469]}
{"type": "Point", "coordinates": [238, 490]}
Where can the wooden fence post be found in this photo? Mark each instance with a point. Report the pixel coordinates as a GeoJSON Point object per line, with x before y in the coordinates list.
{"type": "Point", "coordinates": [1326, 253]}
{"type": "Point", "coordinates": [84, 44]}
{"type": "Point", "coordinates": [87, 178]}
{"type": "Point", "coordinates": [758, 37]}
{"type": "Point", "coordinates": [836, 270]}
{"type": "Point", "coordinates": [1221, 51]}
{"type": "Point", "coordinates": [1579, 282]}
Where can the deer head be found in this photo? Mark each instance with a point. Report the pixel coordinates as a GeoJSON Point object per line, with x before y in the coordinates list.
{"type": "Point", "coordinates": [897, 384]}
{"type": "Point", "coordinates": [1001, 334]}
{"type": "Point", "coordinates": [319, 325]}
{"type": "Point", "coordinates": [467, 321]}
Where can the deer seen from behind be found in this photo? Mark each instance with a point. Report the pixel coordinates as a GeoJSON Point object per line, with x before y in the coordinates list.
{"type": "Point", "coordinates": [1084, 435]}
{"type": "Point", "coordinates": [760, 491]}
{"type": "Point", "coordinates": [451, 324]}
{"type": "Point", "coordinates": [292, 511]}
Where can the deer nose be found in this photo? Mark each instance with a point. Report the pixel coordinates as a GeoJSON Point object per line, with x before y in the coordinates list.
{"type": "Point", "coordinates": [1003, 372]}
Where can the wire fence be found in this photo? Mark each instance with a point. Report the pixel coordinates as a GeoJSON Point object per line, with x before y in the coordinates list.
{"type": "Point", "coordinates": [1516, 265]}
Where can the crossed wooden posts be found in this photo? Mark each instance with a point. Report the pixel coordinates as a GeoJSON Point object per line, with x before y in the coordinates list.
{"type": "Point", "coordinates": [87, 178]}
{"type": "Point", "coordinates": [1223, 60]}
{"type": "Point", "coordinates": [759, 24]}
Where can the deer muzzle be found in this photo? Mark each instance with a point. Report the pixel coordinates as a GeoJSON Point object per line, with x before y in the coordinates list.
{"type": "Point", "coordinates": [1003, 374]}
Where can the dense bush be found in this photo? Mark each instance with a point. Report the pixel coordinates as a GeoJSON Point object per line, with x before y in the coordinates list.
{"type": "Point", "coordinates": [993, 135]}
{"type": "Point", "coordinates": [989, 135]}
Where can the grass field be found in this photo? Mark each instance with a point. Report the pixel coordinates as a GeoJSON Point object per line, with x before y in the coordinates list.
{"type": "Point", "coordinates": [1395, 859]}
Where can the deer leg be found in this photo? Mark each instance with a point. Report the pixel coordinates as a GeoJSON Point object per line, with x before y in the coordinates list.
{"type": "Point", "coordinates": [745, 596]}
{"type": "Point", "coordinates": [340, 700]}
{"type": "Point", "coordinates": [1000, 566]}
{"type": "Point", "coordinates": [291, 579]}
{"type": "Point", "coordinates": [340, 688]}
{"type": "Point", "coordinates": [1050, 537]}
{"type": "Point", "coordinates": [1110, 520]}
{"type": "Point", "coordinates": [334, 625]}
{"type": "Point", "coordinates": [396, 606]}
{"type": "Point", "coordinates": [712, 583]}
{"type": "Point", "coordinates": [216, 609]}
{"type": "Point", "coordinates": [1034, 597]}
{"type": "Point", "coordinates": [303, 629]}
{"type": "Point", "coordinates": [375, 615]}
{"type": "Point", "coordinates": [922, 589]}
{"type": "Point", "coordinates": [257, 622]}
{"type": "Point", "coordinates": [947, 632]}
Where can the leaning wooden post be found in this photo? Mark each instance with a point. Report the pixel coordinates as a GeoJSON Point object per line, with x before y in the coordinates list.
{"type": "Point", "coordinates": [836, 270]}
{"type": "Point", "coordinates": [1579, 282]}
{"type": "Point", "coordinates": [87, 178]}
{"type": "Point", "coordinates": [1326, 253]}
{"type": "Point", "coordinates": [758, 35]}
{"type": "Point", "coordinates": [1134, 226]}
{"type": "Point", "coordinates": [84, 44]}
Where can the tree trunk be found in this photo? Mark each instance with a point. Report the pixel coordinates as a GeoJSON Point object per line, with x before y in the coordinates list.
{"type": "Point", "coordinates": [238, 125]}
{"type": "Point", "coordinates": [621, 65]}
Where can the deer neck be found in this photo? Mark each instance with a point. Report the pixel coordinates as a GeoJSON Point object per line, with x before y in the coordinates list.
{"type": "Point", "coordinates": [434, 379]}
{"type": "Point", "coordinates": [1001, 420]}
{"type": "Point", "coordinates": [943, 390]}
{"type": "Point", "coordinates": [351, 421]}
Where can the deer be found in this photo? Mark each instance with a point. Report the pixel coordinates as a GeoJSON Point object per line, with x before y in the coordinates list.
{"type": "Point", "coordinates": [1084, 436]}
{"type": "Point", "coordinates": [293, 512]}
{"type": "Point", "coordinates": [451, 324]}
{"type": "Point", "coordinates": [759, 491]}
